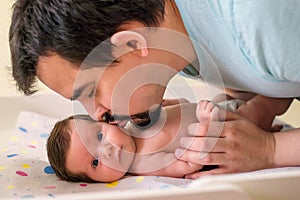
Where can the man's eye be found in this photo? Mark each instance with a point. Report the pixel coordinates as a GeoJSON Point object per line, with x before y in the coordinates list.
{"type": "Point", "coordinates": [100, 136]}
{"type": "Point", "coordinates": [91, 94]}
{"type": "Point", "coordinates": [95, 162]}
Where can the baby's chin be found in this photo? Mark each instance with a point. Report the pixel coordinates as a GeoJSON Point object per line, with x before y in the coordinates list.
{"type": "Point", "coordinates": [126, 161]}
{"type": "Point", "coordinates": [114, 176]}
{"type": "Point", "coordinates": [117, 173]}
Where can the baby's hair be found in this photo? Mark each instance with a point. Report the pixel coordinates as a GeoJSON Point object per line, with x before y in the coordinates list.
{"type": "Point", "coordinates": [58, 144]}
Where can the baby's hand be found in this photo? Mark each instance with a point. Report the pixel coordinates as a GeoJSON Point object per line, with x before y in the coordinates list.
{"type": "Point", "coordinates": [207, 111]}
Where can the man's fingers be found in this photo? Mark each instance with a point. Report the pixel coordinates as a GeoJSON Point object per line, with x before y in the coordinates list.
{"type": "Point", "coordinates": [198, 129]}
{"type": "Point", "coordinates": [206, 129]}
{"type": "Point", "coordinates": [203, 144]}
{"type": "Point", "coordinates": [194, 166]}
{"type": "Point", "coordinates": [202, 158]}
{"type": "Point", "coordinates": [216, 171]}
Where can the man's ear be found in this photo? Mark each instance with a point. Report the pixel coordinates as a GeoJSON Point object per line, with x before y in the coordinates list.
{"type": "Point", "coordinates": [133, 40]}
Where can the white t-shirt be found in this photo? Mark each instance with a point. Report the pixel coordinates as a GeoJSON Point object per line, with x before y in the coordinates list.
{"type": "Point", "coordinates": [253, 45]}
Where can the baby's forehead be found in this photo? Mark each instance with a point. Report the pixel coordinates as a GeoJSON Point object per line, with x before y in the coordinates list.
{"type": "Point", "coordinates": [83, 117]}
{"type": "Point", "coordinates": [79, 128]}
{"type": "Point", "coordinates": [77, 124]}
{"type": "Point", "coordinates": [85, 124]}
{"type": "Point", "coordinates": [83, 120]}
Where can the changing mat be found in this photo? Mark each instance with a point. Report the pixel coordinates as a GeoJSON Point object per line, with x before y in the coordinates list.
{"type": "Point", "coordinates": [26, 174]}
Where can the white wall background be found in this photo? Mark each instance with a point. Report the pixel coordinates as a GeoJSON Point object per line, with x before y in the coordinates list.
{"type": "Point", "coordinates": [7, 85]}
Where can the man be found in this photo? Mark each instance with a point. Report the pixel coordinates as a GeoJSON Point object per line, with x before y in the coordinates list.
{"type": "Point", "coordinates": [247, 47]}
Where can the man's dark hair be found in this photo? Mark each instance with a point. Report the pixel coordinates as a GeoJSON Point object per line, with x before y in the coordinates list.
{"type": "Point", "coordinates": [70, 28]}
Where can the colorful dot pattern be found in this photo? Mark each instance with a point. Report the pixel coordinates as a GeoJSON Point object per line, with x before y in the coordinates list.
{"type": "Point", "coordinates": [26, 174]}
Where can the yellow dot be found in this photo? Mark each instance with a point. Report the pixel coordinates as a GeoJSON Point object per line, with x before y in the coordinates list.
{"type": "Point", "coordinates": [112, 184]}
{"type": "Point", "coordinates": [25, 166]}
{"type": "Point", "coordinates": [13, 139]}
{"type": "Point", "coordinates": [33, 124]}
{"type": "Point", "coordinates": [34, 142]}
{"type": "Point", "coordinates": [2, 168]}
{"type": "Point", "coordinates": [10, 187]}
{"type": "Point", "coordinates": [139, 179]}
{"type": "Point", "coordinates": [3, 150]}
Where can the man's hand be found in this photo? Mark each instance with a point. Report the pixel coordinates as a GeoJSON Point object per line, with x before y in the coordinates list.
{"type": "Point", "coordinates": [228, 140]}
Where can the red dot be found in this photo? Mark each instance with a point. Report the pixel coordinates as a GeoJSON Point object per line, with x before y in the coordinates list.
{"type": "Point", "coordinates": [50, 187]}
{"type": "Point", "coordinates": [31, 146]}
{"type": "Point", "coordinates": [21, 173]}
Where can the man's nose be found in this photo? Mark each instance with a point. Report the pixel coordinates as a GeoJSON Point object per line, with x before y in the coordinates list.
{"type": "Point", "coordinates": [99, 113]}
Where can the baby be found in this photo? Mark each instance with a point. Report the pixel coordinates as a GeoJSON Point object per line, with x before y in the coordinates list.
{"type": "Point", "coordinates": [81, 149]}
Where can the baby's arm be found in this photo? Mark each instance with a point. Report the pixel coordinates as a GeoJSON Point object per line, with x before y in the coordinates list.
{"type": "Point", "coordinates": [171, 102]}
{"type": "Point", "coordinates": [162, 164]}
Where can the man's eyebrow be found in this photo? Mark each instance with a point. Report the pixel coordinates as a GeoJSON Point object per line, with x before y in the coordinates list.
{"type": "Point", "coordinates": [78, 91]}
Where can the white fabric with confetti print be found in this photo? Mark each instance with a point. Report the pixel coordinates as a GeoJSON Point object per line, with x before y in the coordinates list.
{"type": "Point", "coordinates": [26, 174]}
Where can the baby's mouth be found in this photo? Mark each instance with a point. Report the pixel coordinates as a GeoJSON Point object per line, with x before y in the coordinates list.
{"type": "Point", "coordinates": [120, 153]}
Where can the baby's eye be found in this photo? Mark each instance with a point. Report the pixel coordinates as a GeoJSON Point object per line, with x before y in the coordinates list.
{"type": "Point", "coordinates": [100, 136]}
{"type": "Point", "coordinates": [95, 162]}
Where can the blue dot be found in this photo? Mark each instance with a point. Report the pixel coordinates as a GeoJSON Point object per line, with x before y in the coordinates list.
{"type": "Point", "coordinates": [163, 187]}
{"type": "Point", "coordinates": [51, 195]}
{"type": "Point", "coordinates": [44, 135]}
{"type": "Point", "coordinates": [27, 197]}
{"type": "Point", "coordinates": [48, 170]}
{"type": "Point", "coordinates": [11, 155]}
{"type": "Point", "coordinates": [23, 129]}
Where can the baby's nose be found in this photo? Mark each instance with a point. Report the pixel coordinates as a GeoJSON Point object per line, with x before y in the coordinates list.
{"type": "Point", "coordinates": [106, 150]}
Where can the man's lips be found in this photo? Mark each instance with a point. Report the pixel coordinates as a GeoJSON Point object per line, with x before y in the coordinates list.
{"type": "Point", "coordinates": [119, 123]}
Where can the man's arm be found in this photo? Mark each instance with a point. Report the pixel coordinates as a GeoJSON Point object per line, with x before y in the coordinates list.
{"type": "Point", "coordinates": [287, 148]}
{"type": "Point", "coordinates": [162, 164]}
{"type": "Point", "coordinates": [262, 110]}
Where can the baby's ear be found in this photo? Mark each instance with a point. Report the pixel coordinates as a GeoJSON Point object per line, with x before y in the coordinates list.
{"type": "Point", "coordinates": [133, 40]}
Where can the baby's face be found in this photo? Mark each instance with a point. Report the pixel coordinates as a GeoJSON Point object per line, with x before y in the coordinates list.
{"type": "Point", "coordinates": [101, 151]}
